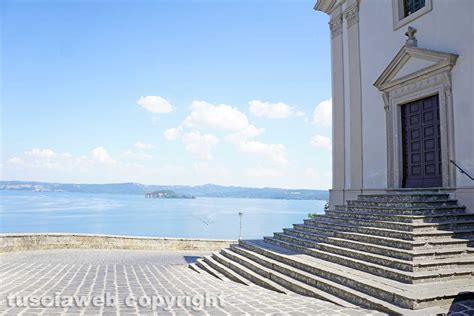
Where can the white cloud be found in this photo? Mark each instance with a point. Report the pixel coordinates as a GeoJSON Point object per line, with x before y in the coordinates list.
{"type": "Point", "coordinates": [143, 146]}
{"type": "Point", "coordinates": [310, 172]}
{"type": "Point", "coordinates": [43, 164]}
{"type": "Point", "coordinates": [320, 141]}
{"type": "Point", "coordinates": [47, 158]}
{"type": "Point", "coordinates": [41, 153]}
{"type": "Point", "coordinates": [101, 155]}
{"type": "Point", "coordinates": [323, 179]}
{"type": "Point", "coordinates": [275, 152]}
{"type": "Point", "coordinates": [249, 132]}
{"type": "Point", "coordinates": [269, 110]}
{"type": "Point", "coordinates": [203, 168]}
{"type": "Point", "coordinates": [42, 158]}
{"type": "Point", "coordinates": [323, 114]}
{"type": "Point", "coordinates": [199, 144]}
{"type": "Point", "coordinates": [140, 151]}
{"type": "Point", "coordinates": [172, 133]}
{"type": "Point", "coordinates": [155, 104]}
{"type": "Point", "coordinates": [16, 161]}
{"type": "Point", "coordinates": [90, 168]}
{"type": "Point", "coordinates": [221, 117]}
{"type": "Point", "coordinates": [260, 172]}
{"type": "Point", "coordinates": [138, 155]}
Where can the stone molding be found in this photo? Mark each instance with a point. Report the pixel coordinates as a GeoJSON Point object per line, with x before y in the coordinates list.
{"type": "Point", "coordinates": [397, 13]}
{"type": "Point", "coordinates": [22, 242]}
{"type": "Point", "coordinates": [335, 25]}
{"type": "Point", "coordinates": [351, 15]}
{"type": "Point", "coordinates": [326, 6]}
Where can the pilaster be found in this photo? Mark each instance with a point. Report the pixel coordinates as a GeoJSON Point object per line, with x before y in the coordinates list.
{"type": "Point", "coordinates": [337, 59]}
{"type": "Point", "coordinates": [351, 16]}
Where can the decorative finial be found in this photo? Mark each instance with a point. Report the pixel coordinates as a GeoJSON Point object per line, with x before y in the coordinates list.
{"type": "Point", "coordinates": [411, 40]}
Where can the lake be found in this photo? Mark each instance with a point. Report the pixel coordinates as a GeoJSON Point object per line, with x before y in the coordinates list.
{"type": "Point", "coordinates": [122, 214]}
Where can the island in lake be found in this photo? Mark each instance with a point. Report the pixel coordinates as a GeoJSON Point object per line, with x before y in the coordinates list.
{"type": "Point", "coordinates": [167, 194]}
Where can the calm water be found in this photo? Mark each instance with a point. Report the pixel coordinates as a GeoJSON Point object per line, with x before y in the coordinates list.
{"type": "Point", "coordinates": [134, 215]}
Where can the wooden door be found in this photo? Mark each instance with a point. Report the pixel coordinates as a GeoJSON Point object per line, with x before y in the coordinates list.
{"type": "Point", "coordinates": [421, 144]}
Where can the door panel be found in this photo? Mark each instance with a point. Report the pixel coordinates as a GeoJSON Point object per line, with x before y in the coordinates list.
{"type": "Point", "coordinates": [421, 144]}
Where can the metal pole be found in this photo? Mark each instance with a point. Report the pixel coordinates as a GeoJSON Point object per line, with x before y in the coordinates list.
{"type": "Point", "coordinates": [240, 228]}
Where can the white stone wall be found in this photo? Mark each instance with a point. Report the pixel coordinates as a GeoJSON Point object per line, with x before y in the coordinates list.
{"type": "Point", "coordinates": [449, 27]}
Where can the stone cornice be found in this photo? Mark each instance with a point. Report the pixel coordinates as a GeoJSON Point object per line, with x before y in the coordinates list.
{"type": "Point", "coordinates": [351, 15]}
{"type": "Point", "coordinates": [326, 6]}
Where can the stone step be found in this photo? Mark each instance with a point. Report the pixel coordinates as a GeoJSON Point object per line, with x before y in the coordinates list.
{"type": "Point", "coordinates": [398, 204]}
{"type": "Point", "coordinates": [391, 252]}
{"type": "Point", "coordinates": [415, 219]}
{"type": "Point", "coordinates": [445, 210]}
{"type": "Point", "coordinates": [394, 252]}
{"type": "Point", "coordinates": [432, 235]}
{"type": "Point", "coordinates": [290, 274]}
{"type": "Point", "coordinates": [409, 227]}
{"type": "Point", "coordinates": [247, 273]}
{"type": "Point", "coordinates": [335, 278]}
{"type": "Point", "coordinates": [462, 261]}
{"type": "Point", "coordinates": [444, 243]}
{"type": "Point", "coordinates": [229, 273]}
{"type": "Point", "coordinates": [204, 266]}
{"type": "Point", "coordinates": [195, 268]}
{"type": "Point", "coordinates": [304, 246]}
{"type": "Point", "coordinates": [293, 279]}
{"type": "Point", "coordinates": [401, 197]}
{"type": "Point", "coordinates": [284, 283]}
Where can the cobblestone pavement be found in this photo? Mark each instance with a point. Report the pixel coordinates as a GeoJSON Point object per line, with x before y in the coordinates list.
{"type": "Point", "coordinates": [151, 276]}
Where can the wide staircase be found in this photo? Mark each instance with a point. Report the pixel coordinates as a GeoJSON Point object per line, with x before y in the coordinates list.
{"type": "Point", "coordinates": [400, 253]}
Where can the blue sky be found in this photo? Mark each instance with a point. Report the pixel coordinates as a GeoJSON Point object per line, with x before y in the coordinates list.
{"type": "Point", "coordinates": [166, 92]}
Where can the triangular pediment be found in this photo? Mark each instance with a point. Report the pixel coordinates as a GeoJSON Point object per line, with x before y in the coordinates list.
{"type": "Point", "coordinates": [413, 65]}
{"type": "Point", "coordinates": [412, 62]}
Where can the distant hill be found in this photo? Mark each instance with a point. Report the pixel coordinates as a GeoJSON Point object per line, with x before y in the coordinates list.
{"type": "Point", "coordinates": [207, 190]}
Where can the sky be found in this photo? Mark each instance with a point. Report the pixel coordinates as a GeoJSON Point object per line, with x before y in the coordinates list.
{"type": "Point", "coordinates": [166, 92]}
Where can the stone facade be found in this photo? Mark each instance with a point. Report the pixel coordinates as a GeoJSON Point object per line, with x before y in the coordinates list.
{"type": "Point", "coordinates": [368, 42]}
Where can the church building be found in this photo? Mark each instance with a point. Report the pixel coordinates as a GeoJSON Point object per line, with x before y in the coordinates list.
{"type": "Point", "coordinates": [402, 93]}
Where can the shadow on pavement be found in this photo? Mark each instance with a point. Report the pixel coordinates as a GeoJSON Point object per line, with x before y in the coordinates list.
{"type": "Point", "coordinates": [191, 259]}
{"type": "Point", "coordinates": [463, 304]}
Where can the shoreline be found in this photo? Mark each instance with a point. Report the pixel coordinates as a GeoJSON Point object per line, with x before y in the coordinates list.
{"type": "Point", "coordinates": [140, 194]}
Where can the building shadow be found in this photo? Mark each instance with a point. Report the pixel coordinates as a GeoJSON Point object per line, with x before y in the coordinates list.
{"type": "Point", "coordinates": [463, 304]}
{"type": "Point", "coordinates": [191, 259]}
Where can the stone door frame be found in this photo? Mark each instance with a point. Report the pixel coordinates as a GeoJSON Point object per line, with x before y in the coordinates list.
{"type": "Point", "coordinates": [432, 80]}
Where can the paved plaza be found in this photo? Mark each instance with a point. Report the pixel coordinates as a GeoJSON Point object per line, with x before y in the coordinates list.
{"type": "Point", "coordinates": [137, 275]}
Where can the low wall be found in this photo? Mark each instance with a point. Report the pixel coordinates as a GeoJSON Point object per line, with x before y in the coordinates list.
{"type": "Point", "coordinates": [21, 242]}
